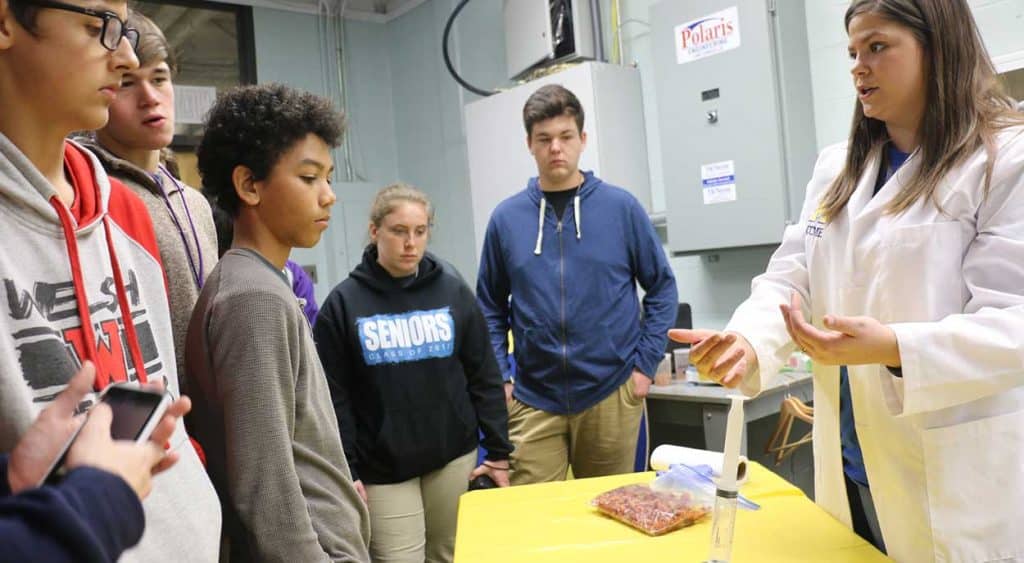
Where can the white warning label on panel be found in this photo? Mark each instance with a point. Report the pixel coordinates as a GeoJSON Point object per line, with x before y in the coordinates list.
{"type": "Point", "coordinates": [709, 35]}
{"type": "Point", "coordinates": [718, 182]}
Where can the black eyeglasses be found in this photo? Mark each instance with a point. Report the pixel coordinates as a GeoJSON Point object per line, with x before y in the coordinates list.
{"type": "Point", "coordinates": [114, 28]}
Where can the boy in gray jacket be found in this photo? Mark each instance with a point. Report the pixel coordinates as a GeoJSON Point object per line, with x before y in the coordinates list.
{"type": "Point", "coordinates": [262, 409]}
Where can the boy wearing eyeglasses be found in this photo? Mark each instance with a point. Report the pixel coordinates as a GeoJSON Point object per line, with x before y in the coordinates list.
{"type": "Point", "coordinates": [80, 273]}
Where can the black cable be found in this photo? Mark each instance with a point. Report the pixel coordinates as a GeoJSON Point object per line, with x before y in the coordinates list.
{"type": "Point", "coordinates": [448, 60]}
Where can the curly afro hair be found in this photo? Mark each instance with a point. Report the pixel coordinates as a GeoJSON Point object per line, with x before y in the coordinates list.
{"type": "Point", "coordinates": [253, 126]}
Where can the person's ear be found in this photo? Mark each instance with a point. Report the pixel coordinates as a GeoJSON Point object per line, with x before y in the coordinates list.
{"type": "Point", "coordinates": [583, 140]}
{"type": "Point", "coordinates": [7, 25]}
{"type": "Point", "coordinates": [245, 185]}
{"type": "Point", "coordinates": [373, 233]}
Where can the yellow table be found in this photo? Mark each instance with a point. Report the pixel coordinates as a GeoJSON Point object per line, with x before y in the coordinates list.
{"type": "Point", "coordinates": [554, 523]}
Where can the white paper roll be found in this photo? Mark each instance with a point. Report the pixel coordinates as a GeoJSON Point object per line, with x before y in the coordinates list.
{"type": "Point", "coordinates": [665, 455]}
{"type": "Point", "coordinates": [733, 434]}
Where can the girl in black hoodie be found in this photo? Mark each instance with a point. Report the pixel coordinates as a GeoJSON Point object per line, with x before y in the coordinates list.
{"type": "Point", "coordinates": [414, 382]}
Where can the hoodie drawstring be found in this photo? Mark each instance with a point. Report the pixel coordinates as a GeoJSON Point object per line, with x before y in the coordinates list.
{"type": "Point", "coordinates": [81, 299]}
{"type": "Point", "coordinates": [576, 216]}
{"type": "Point", "coordinates": [540, 226]}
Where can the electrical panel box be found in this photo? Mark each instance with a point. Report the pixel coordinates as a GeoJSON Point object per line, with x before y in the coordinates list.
{"type": "Point", "coordinates": [735, 111]}
{"type": "Point", "coordinates": [500, 162]}
{"type": "Point", "coordinates": [539, 32]}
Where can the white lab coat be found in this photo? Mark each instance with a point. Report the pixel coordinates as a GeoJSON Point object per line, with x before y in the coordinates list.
{"type": "Point", "coordinates": [944, 445]}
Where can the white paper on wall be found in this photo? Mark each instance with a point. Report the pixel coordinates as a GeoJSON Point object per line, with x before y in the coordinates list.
{"type": "Point", "coordinates": [718, 182]}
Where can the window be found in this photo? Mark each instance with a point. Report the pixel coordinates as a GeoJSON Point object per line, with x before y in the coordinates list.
{"type": "Point", "coordinates": [213, 44]}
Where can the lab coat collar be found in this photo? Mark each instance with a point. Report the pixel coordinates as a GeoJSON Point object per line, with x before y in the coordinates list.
{"type": "Point", "coordinates": [864, 204]}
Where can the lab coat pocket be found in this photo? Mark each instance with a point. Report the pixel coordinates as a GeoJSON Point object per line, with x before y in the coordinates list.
{"type": "Point", "coordinates": [921, 273]}
{"type": "Point", "coordinates": [975, 492]}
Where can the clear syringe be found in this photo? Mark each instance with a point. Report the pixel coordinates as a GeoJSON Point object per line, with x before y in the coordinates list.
{"type": "Point", "coordinates": [723, 522]}
{"type": "Point", "coordinates": [722, 525]}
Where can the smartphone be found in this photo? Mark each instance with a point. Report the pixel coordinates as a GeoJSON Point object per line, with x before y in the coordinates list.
{"type": "Point", "coordinates": [136, 412]}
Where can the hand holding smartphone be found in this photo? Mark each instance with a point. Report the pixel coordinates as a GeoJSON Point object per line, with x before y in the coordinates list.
{"type": "Point", "coordinates": [134, 415]}
{"type": "Point", "coordinates": [50, 435]}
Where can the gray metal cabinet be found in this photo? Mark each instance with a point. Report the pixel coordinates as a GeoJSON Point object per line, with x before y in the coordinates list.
{"type": "Point", "coordinates": [736, 118]}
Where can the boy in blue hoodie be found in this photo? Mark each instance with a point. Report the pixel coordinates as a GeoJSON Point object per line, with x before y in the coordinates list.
{"type": "Point", "coordinates": [585, 350]}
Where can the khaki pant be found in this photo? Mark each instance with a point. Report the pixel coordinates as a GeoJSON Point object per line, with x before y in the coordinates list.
{"type": "Point", "coordinates": [598, 441]}
{"type": "Point", "coordinates": [414, 521]}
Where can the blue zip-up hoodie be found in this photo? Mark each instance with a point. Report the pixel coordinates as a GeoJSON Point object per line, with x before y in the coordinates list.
{"type": "Point", "coordinates": [574, 311]}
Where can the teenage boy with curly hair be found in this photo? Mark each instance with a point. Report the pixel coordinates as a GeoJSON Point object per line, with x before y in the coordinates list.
{"type": "Point", "coordinates": [262, 409]}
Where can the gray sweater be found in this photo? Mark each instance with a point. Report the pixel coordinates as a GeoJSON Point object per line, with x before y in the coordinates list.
{"type": "Point", "coordinates": [263, 414]}
{"type": "Point", "coordinates": [175, 250]}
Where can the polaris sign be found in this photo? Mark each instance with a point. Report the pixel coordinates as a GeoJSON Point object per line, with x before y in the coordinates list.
{"type": "Point", "coordinates": [710, 35]}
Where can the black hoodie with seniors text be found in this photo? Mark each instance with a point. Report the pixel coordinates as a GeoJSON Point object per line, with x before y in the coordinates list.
{"type": "Point", "coordinates": [411, 371]}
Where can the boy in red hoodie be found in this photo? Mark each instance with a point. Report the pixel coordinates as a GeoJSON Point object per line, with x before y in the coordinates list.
{"type": "Point", "coordinates": [80, 276]}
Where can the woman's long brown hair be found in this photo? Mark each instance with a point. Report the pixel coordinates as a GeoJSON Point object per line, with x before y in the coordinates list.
{"type": "Point", "coordinates": [965, 102]}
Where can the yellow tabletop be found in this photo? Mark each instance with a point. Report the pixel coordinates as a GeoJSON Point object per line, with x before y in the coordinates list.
{"type": "Point", "coordinates": [554, 522]}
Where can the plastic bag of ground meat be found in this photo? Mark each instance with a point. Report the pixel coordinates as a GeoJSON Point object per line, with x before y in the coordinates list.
{"type": "Point", "coordinates": [652, 512]}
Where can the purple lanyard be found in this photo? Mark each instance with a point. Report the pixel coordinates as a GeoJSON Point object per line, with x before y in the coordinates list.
{"type": "Point", "coordinates": [197, 270]}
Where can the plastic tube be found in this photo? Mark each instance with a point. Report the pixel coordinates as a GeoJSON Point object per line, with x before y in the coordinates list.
{"type": "Point", "coordinates": [723, 523]}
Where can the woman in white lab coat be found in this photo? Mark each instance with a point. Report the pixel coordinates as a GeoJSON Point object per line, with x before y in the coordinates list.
{"type": "Point", "coordinates": [907, 267]}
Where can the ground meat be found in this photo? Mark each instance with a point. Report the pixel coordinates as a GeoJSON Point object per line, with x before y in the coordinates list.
{"type": "Point", "coordinates": [653, 512]}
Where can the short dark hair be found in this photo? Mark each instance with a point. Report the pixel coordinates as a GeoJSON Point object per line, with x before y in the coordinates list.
{"type": "Point", "coordinates": [550, 101]}
{"type": "Point", "coordinates": [253, 126]}
{"type": "Point", "coordinates": [24, 13]}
